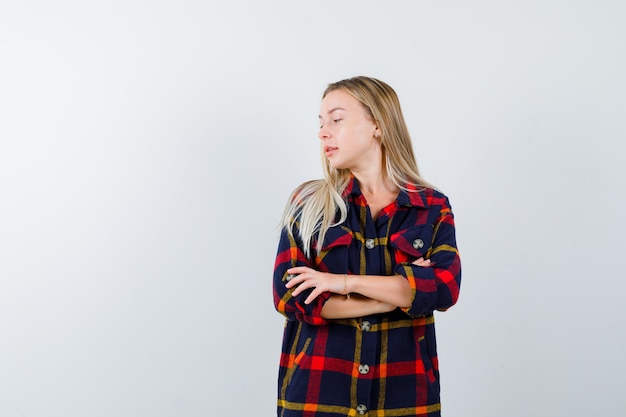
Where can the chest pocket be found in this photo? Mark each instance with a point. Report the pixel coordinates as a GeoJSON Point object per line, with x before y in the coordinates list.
{"type": "Point", "coordinates": [334, 254]}
{"type": "Point", "coordinates": [412, 243]}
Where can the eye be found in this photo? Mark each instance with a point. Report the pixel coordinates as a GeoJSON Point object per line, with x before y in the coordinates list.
{"type": "Point", "coordinates": [337, 120]}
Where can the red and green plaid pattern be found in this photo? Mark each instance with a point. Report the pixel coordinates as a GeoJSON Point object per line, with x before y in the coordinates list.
{"type": "Point", "coordinates": [378, 365]}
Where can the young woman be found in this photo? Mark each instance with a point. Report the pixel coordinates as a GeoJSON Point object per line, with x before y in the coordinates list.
{"type": "Point", "coordinates": [364, 258]}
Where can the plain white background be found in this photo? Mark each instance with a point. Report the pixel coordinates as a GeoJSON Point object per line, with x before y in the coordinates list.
{"type": "Point", "coordinates": [147, 149]}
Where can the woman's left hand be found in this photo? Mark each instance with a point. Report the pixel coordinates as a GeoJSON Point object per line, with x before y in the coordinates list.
{"type": "Point", "coordinates": [306, 278]}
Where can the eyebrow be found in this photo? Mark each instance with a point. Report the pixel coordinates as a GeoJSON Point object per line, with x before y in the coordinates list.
{"type": "Point", "coordinates": [333, 110]}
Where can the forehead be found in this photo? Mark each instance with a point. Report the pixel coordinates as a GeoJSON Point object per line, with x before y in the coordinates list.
{"type": "Point", "coordinates": [339, 100]}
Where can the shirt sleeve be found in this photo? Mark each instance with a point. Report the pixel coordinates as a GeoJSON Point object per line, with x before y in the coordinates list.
{"type": "Point", "coordinates": [290, 254]}
{"type": "Point", "coordinates": [435, 287]}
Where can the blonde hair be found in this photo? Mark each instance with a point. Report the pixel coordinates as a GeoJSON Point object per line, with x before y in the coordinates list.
{"type": "Point", "coordinates": [317, 205]}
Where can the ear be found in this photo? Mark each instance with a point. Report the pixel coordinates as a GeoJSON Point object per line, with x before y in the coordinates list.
{"type": "Point", "coordinates": [376, 132]}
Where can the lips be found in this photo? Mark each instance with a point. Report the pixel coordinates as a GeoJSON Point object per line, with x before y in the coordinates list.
{"type": "Point", "coordinates": [329, 150]}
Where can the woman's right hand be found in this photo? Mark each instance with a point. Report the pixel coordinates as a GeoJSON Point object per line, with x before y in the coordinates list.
{"type": "Point", "coordinates": [422, 262]}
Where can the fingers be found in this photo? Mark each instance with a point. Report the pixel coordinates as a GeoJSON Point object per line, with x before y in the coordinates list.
{"type": "Point", "coordinates": [295, 279]}
{"type": "Point", "coordinates": [421, 262]}
{"type": "Point", "coordinates": [303, 278]}
{"type": "Point", "coordinates": [312, 296]}
{"type": "Point", "coordinates": [305, 285]}
{"type": "Point", "coordinates": [299, 270]}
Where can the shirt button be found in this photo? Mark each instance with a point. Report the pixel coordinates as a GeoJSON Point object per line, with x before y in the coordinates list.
{"type": "Point", "coordinates": [369, 243]}
{"type": "Point", "coordinates": [361, 409]}
{"type": "Point", "coordinates": [363, 369]}
{"type": "Point", "coordinates": [418, 243]}
{"type": "Point", "coordinates": [365, 326]}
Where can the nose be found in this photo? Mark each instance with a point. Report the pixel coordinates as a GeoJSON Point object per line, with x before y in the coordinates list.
{"type": "Point", "coordinates": [323, 133]}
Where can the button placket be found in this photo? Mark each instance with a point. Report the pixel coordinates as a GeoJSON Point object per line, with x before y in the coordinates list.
{"type": "Point", "coordinates": [374, 235]}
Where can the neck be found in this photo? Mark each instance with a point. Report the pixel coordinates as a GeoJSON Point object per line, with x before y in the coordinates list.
{"type": "Point", "coordinates": [370, 173]}
{"type": "Point", "coordinates": [374, 183]}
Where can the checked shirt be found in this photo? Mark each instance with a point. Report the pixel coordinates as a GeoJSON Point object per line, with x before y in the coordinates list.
{"type": "Point", "coordinates": [378, 365]}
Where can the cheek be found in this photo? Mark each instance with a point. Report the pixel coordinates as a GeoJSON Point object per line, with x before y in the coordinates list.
{"type": "Point", "coordinates": [364, 131]}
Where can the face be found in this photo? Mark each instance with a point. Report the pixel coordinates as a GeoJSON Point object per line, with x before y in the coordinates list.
{"type": "Point", "coordinates": [348, 133]}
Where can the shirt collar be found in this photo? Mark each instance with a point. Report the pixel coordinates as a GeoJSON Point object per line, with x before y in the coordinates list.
{"type": "Point", "coordinates": [352, 189]}
{"type": "Point", "coordinates": [412, 196]}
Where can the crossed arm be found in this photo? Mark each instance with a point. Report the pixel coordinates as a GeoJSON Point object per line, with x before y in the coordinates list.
{"type": "Point", "coordinates": [369, 294]}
